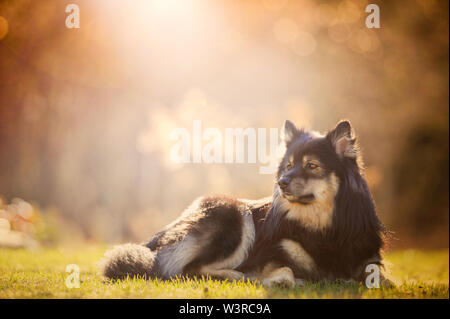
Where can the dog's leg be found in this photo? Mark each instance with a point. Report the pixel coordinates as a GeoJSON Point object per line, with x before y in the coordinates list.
{"type": "Point", "coordinates": [229, 274]}
{"type": "Point", "coordinates": [282, 276]}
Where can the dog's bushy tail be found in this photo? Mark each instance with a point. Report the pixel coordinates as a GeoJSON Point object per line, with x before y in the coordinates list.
{"type": "Point", "coordinates": [128, 260]}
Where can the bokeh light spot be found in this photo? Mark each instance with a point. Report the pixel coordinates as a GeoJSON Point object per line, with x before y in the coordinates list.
{"type": "Point", "coordinates": [339, 33]}
{"type": "Point", "coordinates": [325, 15]}
{"type": "Point", "coordinates": [349, 12]}
{"type": "Point", "coordinates": [3, 27]}
{"type": "Point", "coordinates": [305, 44]}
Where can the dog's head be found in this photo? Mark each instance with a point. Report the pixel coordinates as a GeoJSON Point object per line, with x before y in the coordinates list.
{"type": "Point", "coordinates": [310, 170]}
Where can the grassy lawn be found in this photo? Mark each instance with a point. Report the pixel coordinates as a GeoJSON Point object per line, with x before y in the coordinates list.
{"type": "Point", "coordinates": [41, 274]}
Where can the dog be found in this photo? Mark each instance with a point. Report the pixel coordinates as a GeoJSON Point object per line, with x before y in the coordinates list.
{"type": "Point", "coordinates": [320, 224]}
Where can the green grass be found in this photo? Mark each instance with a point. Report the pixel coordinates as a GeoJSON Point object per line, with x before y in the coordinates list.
{"type": "Point", "coordinates": [41, 274]}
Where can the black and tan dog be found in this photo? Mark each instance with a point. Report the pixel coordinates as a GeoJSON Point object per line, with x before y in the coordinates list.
{"type": "Point", "coordinates": [320, 224]}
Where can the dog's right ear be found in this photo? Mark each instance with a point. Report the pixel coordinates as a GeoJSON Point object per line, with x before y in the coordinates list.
{"type": "Point", "coordinates": [289, 132]}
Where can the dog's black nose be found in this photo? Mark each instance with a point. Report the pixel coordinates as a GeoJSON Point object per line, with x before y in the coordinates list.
{"type": "Point", "coordinates": [284, 182]}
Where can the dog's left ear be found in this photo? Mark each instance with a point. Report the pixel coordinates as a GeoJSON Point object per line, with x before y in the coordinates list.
{"type": "Point", "coordinates": [343, 140]}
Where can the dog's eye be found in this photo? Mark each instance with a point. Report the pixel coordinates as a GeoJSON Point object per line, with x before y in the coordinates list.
{"type": "Point", "coordinates": [289, 166]}
{"type": "Point", "coordinates": [311, 166]}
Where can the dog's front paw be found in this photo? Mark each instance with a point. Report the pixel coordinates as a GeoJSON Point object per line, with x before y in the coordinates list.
{"type": "Point", "coordinates": [234, 275]}
{"type": "Point", "coordinates": [281, 277]}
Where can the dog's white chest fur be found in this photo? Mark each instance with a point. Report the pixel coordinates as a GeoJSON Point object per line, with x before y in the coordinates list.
{"type": "Point", "coordinates": [318, 215]}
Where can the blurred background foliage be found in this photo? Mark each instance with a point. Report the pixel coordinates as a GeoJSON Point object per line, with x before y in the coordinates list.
{"type": "Point", "coordinates": [86, 114]}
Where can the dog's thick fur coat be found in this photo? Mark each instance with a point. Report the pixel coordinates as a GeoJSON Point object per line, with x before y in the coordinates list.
{"type": "Point", "coordinates": [320, 224]}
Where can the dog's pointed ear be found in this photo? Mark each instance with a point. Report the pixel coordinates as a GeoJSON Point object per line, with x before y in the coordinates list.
{"type": "Point", "coordinates": [289, 132]}
{"type": "Point", "coordinates": [343, 140]}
